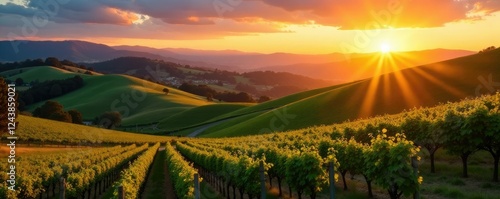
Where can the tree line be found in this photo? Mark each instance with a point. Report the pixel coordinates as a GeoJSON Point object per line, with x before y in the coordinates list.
{"type": "Point", "coordinates": [211, 94]}
{"type": "Point", "coordinates": [48, 90]}
{"type": "Point", "coordinates": [49, 61]}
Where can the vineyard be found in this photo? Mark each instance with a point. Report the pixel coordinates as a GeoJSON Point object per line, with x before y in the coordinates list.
{"type": "Point", "coordinates": [34, 131]}
{"type": "Point", "coordinates": [84, 169]}
{"type": "Point", "coordinates": [384, 150]}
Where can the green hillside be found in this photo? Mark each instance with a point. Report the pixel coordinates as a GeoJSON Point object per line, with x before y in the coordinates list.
{"type": "Point", "coordinates": [40, 73]}
{"type": "Point", "coordinates": [198, 115]}
{"type": "Point", "coordinates": [278, 102]}
{"type": "Point", "coordinates": [425, 85]}
{"type": "Point", "coordinates": [139, 101]}
{"type": "Point", "coordinates": [240, 112]}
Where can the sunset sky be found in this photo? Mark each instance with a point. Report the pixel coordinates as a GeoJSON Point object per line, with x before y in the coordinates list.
{"type": "Point", "coordinates": [295, 26]}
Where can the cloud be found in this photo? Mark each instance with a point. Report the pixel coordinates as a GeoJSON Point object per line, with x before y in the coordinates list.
{"type": "Point", "coordinates": [202, 19]}
{"type": "Point", "coordinates": [356, 14]}
{"type": "Point", "coordinates": [151, 28]}
{"type": "Point", "coordinates": [71, 11]}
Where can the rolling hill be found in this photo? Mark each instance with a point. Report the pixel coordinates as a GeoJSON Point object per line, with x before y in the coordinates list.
{"type": "Point", "coordinates": [143, 102]}
{"type": "Point", "coordinates": [257, 83]}
{"type": "Point", "coordinates": [138, 101]}
{"type": "Point", "coordinates": [425, 85]}
{"type": "Point", "coordinates": [82, 51]}
{"type": "Point", "coordinates": [78, 51]}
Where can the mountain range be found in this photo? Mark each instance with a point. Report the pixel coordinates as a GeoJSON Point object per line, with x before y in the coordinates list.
{"type": "Point", "coordinates": [335, 67]}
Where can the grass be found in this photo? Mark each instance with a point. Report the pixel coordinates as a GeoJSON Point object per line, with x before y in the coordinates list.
{"type": "Point", "coordinates": [224, 88]}
{"type": "Point", "coordinates": [79, 70]}
{"type": "Point", "coordinates": [207, 192]}
{"type": "Point", "coordinates": [445, 183]}
{"type": "Point", "coordinates": [109, 193]}
{"type": "Point", "coordinates": [155, 184]}
{"type": "Point", "coordinates": [41, 73]}
{"type": "Point", "coordinates": [137, 100]}
{"type": "Point", "coordinates": [198, 115]}
{"type": "Point", "coordinates": [391, 93]}
{"type": "Point", "coordinates": [448, 183]}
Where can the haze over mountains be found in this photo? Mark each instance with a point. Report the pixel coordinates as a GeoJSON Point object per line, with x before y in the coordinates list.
{"type": "Point", "coordinates": [348, 69]}
{"type": "Point", "coordinates": [335, 67]}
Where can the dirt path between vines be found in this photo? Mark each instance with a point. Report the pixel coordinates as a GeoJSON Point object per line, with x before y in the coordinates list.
{"type": "Point", "coordinates": [159, 183]}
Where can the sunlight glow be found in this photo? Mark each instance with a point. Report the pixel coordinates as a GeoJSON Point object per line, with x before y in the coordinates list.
{"type": "Point", "coordinates": [382, 88]}
{"type": "Point", "coordinates": [385, 48]}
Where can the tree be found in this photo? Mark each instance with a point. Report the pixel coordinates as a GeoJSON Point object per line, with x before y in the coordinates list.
{"type": "Point", "coordinates": [47, 109]}
{"type": "Point", "coordinates": [110, 119]}
{"type": "Point", "coordinates": [264, 99]}
{"type": "Point", "coordinates": [460, 138]}
{"type": "Point", "coordinates": [3, 106]}
{"type": "Point", "coordinates": [78, 80]}
{"type": "Point", "coordinates": [245, 88]}
{"type": "Point", "coordinates": [26, 97]}
{"type": "Point", "coordinates": [76, 116]}
{"type": "Point", "coordinates": [486, 123]}
{"type": "Point", "coordinates": [425, 133]}
{"type": "Point", "coordinates": [62, 116]}
{"type": "Point", "coordinates": [390, 162]}
{"type": "Point", "coordinates": [166, 91]}
{"type": "Point", "coordinates": [488, 49]}
{"type": "Point", "coordinates": [55, 90]}
{"type": "Point", "coordinates": [492, 142]}
{"type": "Point", "coordinates": [52, 110]}
{"type": "Point", "coordinates": [19, 81]}
{"type": "Point", "coordinates": [210, 97]}
{"type": "Point", "coordinates": [305, 173]}
{"type": "Point", "coordinates": [52, 61]}
{"type": "Point", "coordinates": [343, 158]}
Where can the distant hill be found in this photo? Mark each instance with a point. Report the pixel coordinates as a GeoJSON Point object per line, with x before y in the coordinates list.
{"type": "Point", "coordinates": [77, 51]}
{"type": "Point", "coordinates": [365, 65]}
{"type": "Point", "coordinates": [323, 66]}
{"type": "Point", "coordinates": [274, 84]}
{"type": "Point", "coordinates": [425, 85]}
{"type": "Point", "coordinates": [82, 51]}
{"type": "Point", "coordinates": [243, 61]}
{"type": "Point", "coordinates": [331, 66]}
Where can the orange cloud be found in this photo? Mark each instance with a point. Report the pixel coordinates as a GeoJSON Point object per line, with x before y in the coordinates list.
{"type": "Point", "coordinates": [202, 19]}
{"type": "Point", "coordinates": [346, 14]}
{"type": "Point", "coordinates": [358, 14]}
{"type": "Point", "coordinates": [123, 17]}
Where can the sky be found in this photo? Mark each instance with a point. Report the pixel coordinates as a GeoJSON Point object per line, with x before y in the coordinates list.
{"type": "Point", "coordinates": [265, 26]}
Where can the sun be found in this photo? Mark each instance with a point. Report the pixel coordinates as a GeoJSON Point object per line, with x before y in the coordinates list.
{"type": "Point", "coordinates": [385, 48]}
